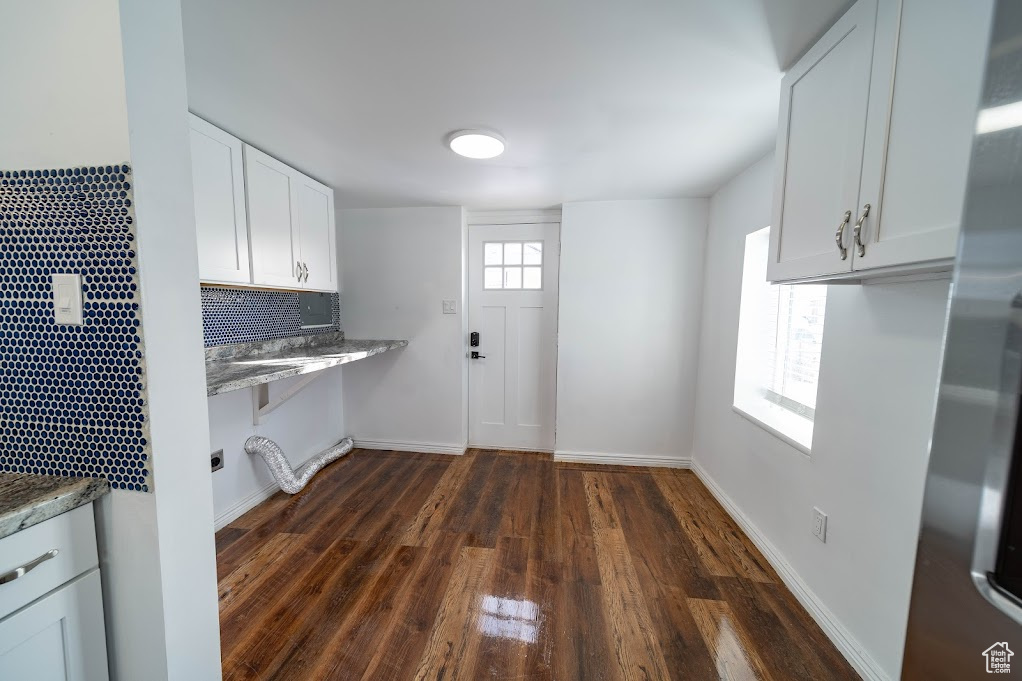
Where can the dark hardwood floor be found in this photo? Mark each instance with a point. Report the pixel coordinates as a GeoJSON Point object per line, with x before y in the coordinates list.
{"type": "Point", "coordinates": [505, 566]}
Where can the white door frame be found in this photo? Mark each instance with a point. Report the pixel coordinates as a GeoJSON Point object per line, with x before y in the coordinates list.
{"type": "Point", "coordinates": [489, 218]}
{"type": "Point", "coordinates": [513, 217]}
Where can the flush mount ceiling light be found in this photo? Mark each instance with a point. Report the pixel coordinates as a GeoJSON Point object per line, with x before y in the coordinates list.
{"type": "Point", "coordinates": [476, 143]}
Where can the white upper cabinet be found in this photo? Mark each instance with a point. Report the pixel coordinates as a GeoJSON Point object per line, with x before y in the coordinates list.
{"type": "Point", "coordinates": [873, 146]}
{"type": "Point", "coordinates": [259, 222]}
{"type": "Point", "coordinates": [316, 233]}
{"type": "Point", "coordinates": [291, 226]}
{"type": "Point", "coordinates": [221, 225]}
{"type": "Point", "coordinates": [272, 221]}
{"type": "Point", "coordinates": [819, 150]}
{"type": "Point", "coordinates": [917, 189]}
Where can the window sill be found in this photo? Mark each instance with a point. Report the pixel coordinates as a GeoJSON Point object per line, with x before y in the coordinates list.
{"type": "Point", "coordinates": [773, 430]}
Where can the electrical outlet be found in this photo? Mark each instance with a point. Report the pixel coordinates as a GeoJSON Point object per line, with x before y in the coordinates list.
{"type": "Point", "coordinates": [820, 524]}
{"type": "Point", "coordinates": [216, 460]}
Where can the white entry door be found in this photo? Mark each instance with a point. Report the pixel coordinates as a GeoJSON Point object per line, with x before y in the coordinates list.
{"type": "Point", "coordinates": [512, 294]}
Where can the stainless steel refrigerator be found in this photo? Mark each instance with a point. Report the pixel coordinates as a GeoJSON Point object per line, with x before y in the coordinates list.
{"type": "Point", "coordinates": [965, 620]}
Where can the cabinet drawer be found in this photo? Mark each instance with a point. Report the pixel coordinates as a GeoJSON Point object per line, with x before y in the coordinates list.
{"type": "Point", "coordinates": [71, 534]}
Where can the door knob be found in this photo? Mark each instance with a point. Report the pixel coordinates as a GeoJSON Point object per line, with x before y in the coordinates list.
{"type": "Point", "coordinates": [476, 355]}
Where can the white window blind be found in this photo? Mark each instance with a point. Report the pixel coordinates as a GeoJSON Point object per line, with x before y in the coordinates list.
{"type": "Point", "coordinates": [780, 338]}
{"type": "Point", "coordinates": [793, 349]}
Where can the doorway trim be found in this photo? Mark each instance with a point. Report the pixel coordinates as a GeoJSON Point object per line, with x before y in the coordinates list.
{"type": "Point", "coordinates": [514, 217]}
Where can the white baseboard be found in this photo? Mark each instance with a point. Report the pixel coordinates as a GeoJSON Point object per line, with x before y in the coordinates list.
{"type": "Point", "coordinates": [622, 459]}
{"type": "Point", "coordinates": [421, 447]}
{"type": "Point", "coordinates": [843, 639]}
{"type": "Point", "coordinates": [243, 506]}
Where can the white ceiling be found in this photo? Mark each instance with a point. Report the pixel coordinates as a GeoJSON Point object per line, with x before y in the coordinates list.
{"type": "Point", "coordinates": [598, 99]}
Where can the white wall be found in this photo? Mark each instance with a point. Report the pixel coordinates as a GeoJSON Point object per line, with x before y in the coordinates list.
{"type": "Point", "coordinates": [878, 376]}
{"type": "Point", "coordinates": [57, 116]}
{"type": "Point", "coordinates": [303, 426]}
{"type": "Point", "coordinates": [397, 266]}
{"type": "Point", "coordinates": [154, 75]}
{"type": "Point", "coordinates": [628, 327]}
{"type": "Point", "coordinates": [156, 550]}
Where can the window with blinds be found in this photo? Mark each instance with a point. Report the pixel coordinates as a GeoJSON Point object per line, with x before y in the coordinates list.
{"type": "Point", "coordinates": [780, 337]}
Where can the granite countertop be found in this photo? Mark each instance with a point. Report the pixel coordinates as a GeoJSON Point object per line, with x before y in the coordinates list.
{"type": "Point", "coordinates": [243, 365]}
{"type": "Point", "coordinates": [27, 499]}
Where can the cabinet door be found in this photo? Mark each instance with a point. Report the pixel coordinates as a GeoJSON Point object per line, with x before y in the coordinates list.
{"type": "Point", "coordinates": [819, 149]}
{"type": "Point", "coordinates": [218, 182]}
{"type": "Point", "coordinates": [272, 220]}
{"type": "Point", "coordinates": [316, 233]}
{"type": "Point", "coordinates": [59, 637]}
{"type": "Point", "coordinates": [917, 192]}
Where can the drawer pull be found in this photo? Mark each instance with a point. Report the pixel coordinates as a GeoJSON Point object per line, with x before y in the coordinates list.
{"type": "Point", "coordinates": [27, 567]}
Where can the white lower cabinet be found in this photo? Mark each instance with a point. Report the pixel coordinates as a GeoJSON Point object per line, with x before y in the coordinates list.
{"type": "Point", "coordinates": [51, 609]}
{"type": "Point", "coordinates": [59, 637]}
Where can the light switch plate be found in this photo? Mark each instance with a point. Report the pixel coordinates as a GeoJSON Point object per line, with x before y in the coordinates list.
{"type": "Point", "coordinates": [67, 298]}
{"type": "Point", "coordinates": [450, 307]}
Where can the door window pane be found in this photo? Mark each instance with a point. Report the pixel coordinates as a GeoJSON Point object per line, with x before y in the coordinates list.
{"type": "Point", "coordinates": [493, 253]}
{"type": "Point", "coordinates": [533, 253]}
{"type": "Point", "coordinates": [512, 277]}
{"type": "Point", "coordinates": [503, 265]}
{"type": "Point", "coordinates": [493, 277]}
{"type": "Point", "coordinates": [513, 253]}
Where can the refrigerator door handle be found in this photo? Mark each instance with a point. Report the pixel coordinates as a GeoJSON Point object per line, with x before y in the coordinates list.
{"type": "Point", "coordinates": [990, 528]}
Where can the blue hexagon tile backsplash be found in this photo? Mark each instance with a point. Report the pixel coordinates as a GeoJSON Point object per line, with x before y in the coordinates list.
{"type": "Point", "coordinates": [231, 315]}
{"type": "Point", "coordinates": [72, 398]}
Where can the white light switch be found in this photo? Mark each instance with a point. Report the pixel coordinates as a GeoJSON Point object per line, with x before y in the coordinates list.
{"type": "Point", "coordinates": [450, 307]}
{"type": "Point", "coordinates": [67, 298]}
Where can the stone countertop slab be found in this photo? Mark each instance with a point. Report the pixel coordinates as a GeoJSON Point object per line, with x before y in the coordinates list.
{"type": "Point", "coordinates": [248, 364]}
{"type": "Point", "coordinates": [274, 346]}
{"type": "Point", "coordinates": [27, 499]}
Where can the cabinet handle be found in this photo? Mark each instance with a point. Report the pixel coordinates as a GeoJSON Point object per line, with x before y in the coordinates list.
{"type": "Point", "coordinates": [298, 269]}
{"type": "Point", "coordinates": [306, 268]}
{"type": "Point", "coordinates": [840, 234]}
{"type": "Point", "coordinates": [858, 230]}
{"type": "Point", "coordinates": [27, 567]}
